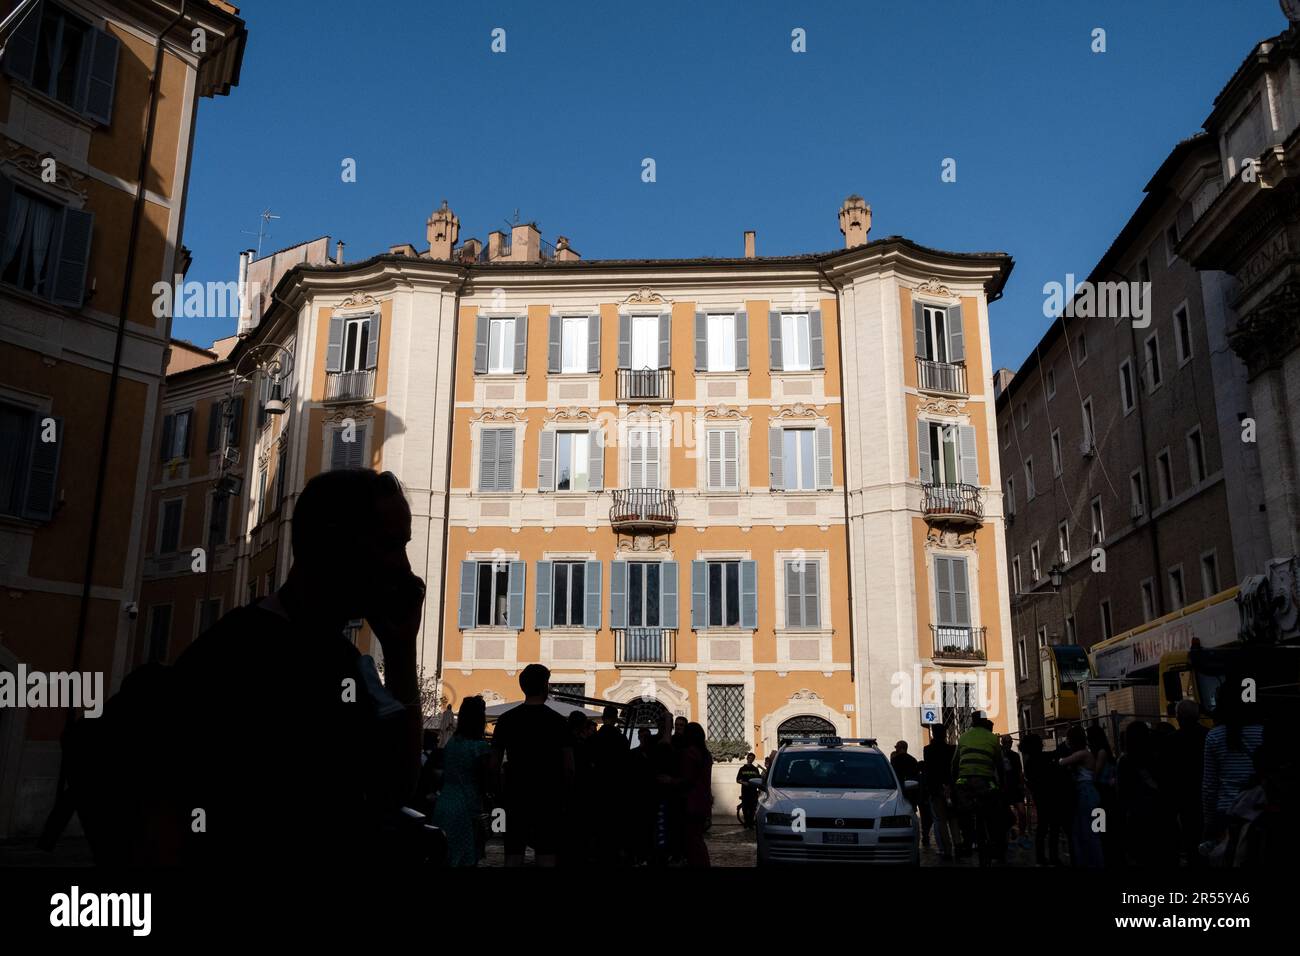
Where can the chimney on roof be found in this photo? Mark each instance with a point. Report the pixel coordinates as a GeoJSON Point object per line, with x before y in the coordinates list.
{"type": "Point", "coordinates": [562, 251]}
{"type": "Point", "coordinates": [338, 253]}
{"type": "Point", "coordinates": [443, 229]}
{"type": "Point", "coordinates": [469, 252]}
{"type": "Point", "coordinates": [750, 241]}
{"type": "Point", "coordinates": [498, 248]}
{"type": "Point", "coordinates": [525, 242]}
{"type": "Point", "coordinates": [245, 324]}
{"type": "Point", "coordinates": [855, 221]}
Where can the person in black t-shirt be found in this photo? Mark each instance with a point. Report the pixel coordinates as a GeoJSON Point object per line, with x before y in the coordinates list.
{"type": "Point", "coordinates": [535, 749]}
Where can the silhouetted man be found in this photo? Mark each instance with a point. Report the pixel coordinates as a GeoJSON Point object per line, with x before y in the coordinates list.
{"type": "Point", "coordinates": [288, 748]}
{"type": "Point", "coordinates": [535, 749]}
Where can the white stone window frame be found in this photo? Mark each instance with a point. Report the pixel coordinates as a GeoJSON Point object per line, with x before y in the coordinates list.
{"type": "Point", "coordinates": [649, 421]}
{"type": "Point", "coordinates": [471, 636]}
{"type": "Point", "coordinates": [180, 524]}
{"type": "Point", "coordinates": [198, 611]}
{"type": "Point", "coordinates": [1126, 405]}
{"type": "Point", "coordinates": [1203, 466]}
{"type": "Point", "coordinates": [364, 423]}
{"type": "Point", "coordinates": [706, 637]}
{"type": "Point", "coordinates": [972, 587]}
{"type": "Point", "coordinates": [588, 316]}
{"type": "Point", "coordinates": [1152, 386]}
{"type": "Point", "coordinates": [588, 631]}
{"type": "Point", "coordinates": [1213, 554]}
{"type": "Point", "coordinates": [702, 681]}
{"type": "Point", "coordinates": [1170, 572]}
{"type": "Point", "coordinates": [475, 463]}
{"type": "Point", "coordinates": [743, 428]}
{"type": "Point", "coordinates": [1185, 308]}
{"type": "Point", "coordinates": [1147, 586]}
{"type": "Point", "coordinates": [824, 633]}
{"type": "Point", "coordinates": [496, 315]}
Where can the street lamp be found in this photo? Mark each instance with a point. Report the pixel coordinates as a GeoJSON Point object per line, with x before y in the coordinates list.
{"type": "Point", "coordinates": [1055, 574]}
{"type": "Point", "coordinates": [269, 358]}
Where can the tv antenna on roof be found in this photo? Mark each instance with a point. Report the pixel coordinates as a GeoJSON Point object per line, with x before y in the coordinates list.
{"type": "Point", "coordinates": [261, 233]}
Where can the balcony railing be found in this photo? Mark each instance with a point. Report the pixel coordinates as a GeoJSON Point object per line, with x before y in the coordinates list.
{"type": "Point", "coordinates": [959, 504]}
{"type": "Point", "coordinates": [356, 385]}
{"type": "Point", "coordinates": [645, 646]}
{"type": "Point", "coordinates": [651, 509]}
{"type": "Point", "coordinates": [645, 385]}
{"type": "Point", "coordinates": [943, 377]}
{"type": "Point", "coordinates": [956, 642]}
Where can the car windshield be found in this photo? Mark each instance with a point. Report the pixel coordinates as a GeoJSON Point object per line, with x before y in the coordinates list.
{"type": "Point", "coordinates": [833, 770]}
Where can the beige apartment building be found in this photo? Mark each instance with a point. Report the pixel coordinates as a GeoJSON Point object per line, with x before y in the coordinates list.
{"type": "Point", "coordinates": [98, 103]}
{"type": "Point", "coordinates": [760, 492]}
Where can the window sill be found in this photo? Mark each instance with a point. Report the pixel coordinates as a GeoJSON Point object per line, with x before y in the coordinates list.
{"type": "Point", "coordinates": [500, 376]}
{"type": "Point", "coordinates": [36, 299]}
{"type": "Point", "coordinates": [43, 100]}
{"type": "Point", "coordinates": [798, 372]}
{"type": "Point", "coordinates": [568, 631]}
{"type": "Point", "coordinates": [484, 630]}
{"type": "Point", "coordinates": [712, 374]}
{"type": "Point", "coordinates": [725, 631]}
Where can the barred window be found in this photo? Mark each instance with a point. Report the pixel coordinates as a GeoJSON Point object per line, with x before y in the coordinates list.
{"type": "Point", "coordinates": [574, 690]}
{"type": "Point", "coordinates": [726, 712]}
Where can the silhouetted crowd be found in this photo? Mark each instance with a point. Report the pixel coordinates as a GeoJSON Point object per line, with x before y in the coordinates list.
{"type": "Point", "coordinates": [572, 792]}
{"type": "Point", "coordinates": [1178, 794]}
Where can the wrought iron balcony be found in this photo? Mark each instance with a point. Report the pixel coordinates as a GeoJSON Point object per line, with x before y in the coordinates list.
{"type": "Point", "coordinates": [957, 642]}
{"type": "Point", "coordinates": [643, 509]}
{"type": "Point", "coordinates": [645, 646]}
{"type": "Point", "coordinates": [353, 386]}
{"type": "Point", "coordinates": [645, 385]}
{"type": "Point", "coordinates": [953, 504]}
{"type": "Point", "coordinates": [943, 378]}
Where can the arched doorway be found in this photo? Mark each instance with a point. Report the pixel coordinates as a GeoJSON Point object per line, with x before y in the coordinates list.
{"type": "Point", "coordinates": [803, 725]}
{"type": "Point", "coordinates": [646, 712]}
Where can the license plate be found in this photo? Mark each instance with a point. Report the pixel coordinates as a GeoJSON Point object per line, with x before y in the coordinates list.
{"type": "Point", "coordinates": [839, 838]}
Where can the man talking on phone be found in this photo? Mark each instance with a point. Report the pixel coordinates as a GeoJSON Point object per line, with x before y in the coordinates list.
{"type": "Point", "coordinates": [288, 748]}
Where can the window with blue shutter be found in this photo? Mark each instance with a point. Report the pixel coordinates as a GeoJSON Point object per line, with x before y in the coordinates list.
{"type": "Point", "coordinates": [802, 594]}
{"type": "Point", "coordinates": [65, 58]}
{"type": "Point", "coordinates": [491, 594]}
{"type": "Point", "coordinates": [496, 459]}
{"type": "Point", "coordinates": [724, 594]}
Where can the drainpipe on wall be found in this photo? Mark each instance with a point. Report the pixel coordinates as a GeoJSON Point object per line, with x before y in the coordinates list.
{"type": "Point", "coordinates": [128, 277]}
{"type": "Point", "coordinates": [844, 457]}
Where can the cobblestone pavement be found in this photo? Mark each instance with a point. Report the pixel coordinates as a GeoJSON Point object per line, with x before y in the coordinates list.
{"type": "Point", "coordinates": [731, 845]}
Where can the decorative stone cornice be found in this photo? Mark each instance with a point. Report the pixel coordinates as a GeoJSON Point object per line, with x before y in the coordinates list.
{"type": "Point", "coordinates": [66, 179]}
{"type": "Point", "coordinates": [932, 286]}
{"type": "Point", "coordinates": [797, 411]}
{"type": "Point", "coordinates": [359, 413]}
{"type": "Point", "coordinates": [805, 694]}
{"type": "Point", "coordinates": [724, 412]}
{"type": "Point", "coordinates": [940, 406]}
{"type": "Point", "coordinates": [359, 300]}
{"type": "Point", "coordinates": [571, 414]}
{"type": "Point", "coordinates": [949, 540]}
{"type": "Point", "coordinates": [1270, 331]}
{"type": "Point", "coordinates": [642, 543]}
{"type": "Point", "coordinates": [645, 296]}
{"type": "Point", "coordinates": [500, 415]}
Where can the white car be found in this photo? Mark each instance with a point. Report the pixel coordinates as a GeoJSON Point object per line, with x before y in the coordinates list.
{"type": "Point", "coordinates": [835, 800]}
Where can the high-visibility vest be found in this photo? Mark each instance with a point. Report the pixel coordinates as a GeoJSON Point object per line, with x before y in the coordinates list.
{"type": "Point", "coordinates": [978, 753]}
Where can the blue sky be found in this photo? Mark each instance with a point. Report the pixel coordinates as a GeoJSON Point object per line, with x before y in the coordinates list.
{"type": "Point", "coordinates": [1053, 142]}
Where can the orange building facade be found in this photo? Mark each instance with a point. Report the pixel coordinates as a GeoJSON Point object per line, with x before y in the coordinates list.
{"type": "Point", "coordinates": [761, 493]}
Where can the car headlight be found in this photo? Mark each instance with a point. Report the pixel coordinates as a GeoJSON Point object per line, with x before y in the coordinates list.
{"type": "Point", "coordinates": [895, 823]}
{"type": "Point", "coordinates": [778, 819]}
